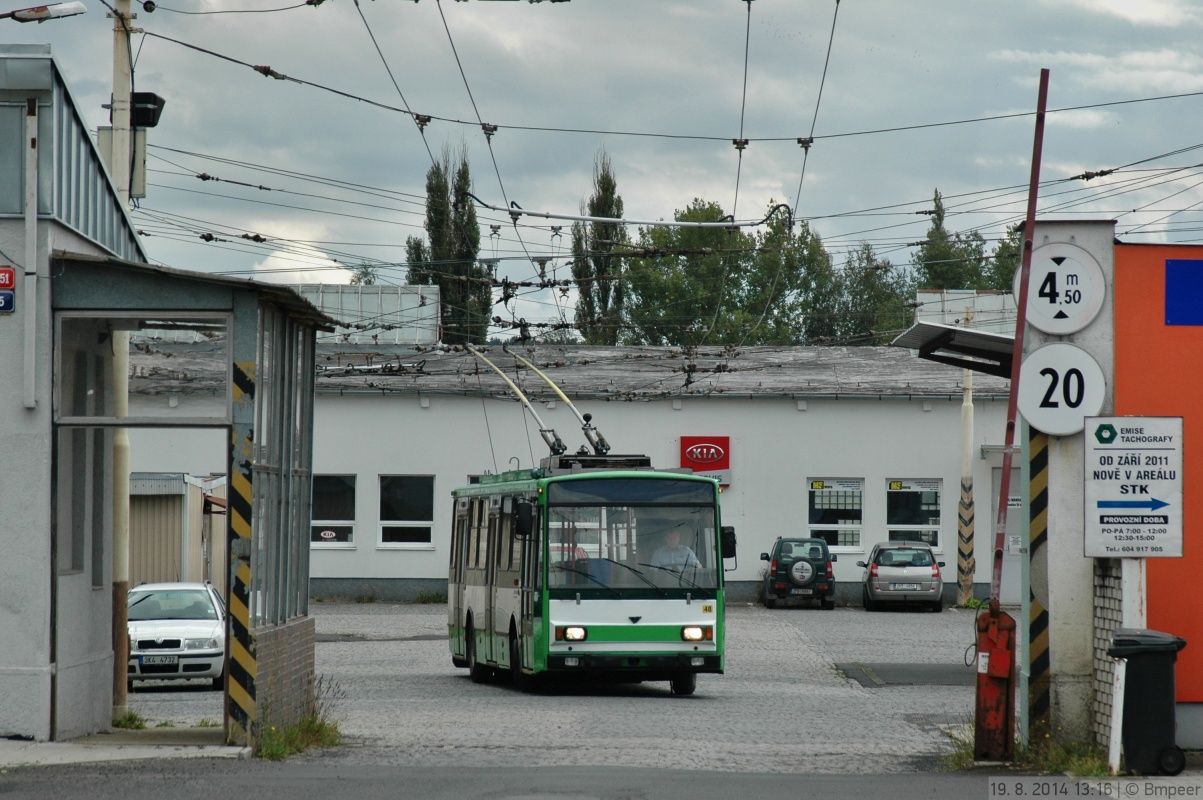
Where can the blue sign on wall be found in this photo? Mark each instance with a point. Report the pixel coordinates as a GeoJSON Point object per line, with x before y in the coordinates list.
{"type": "Point", "coordinates": [8, 302]}
{"type": "Point", "coordinates": [1183, 291]}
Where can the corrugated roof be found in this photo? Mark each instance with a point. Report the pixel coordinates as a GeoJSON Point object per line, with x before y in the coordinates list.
{"type": "Point", "coordinates": [633, 373]}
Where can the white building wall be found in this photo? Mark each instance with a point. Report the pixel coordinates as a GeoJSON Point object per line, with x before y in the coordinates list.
{"type": "Point", "coordinates": [84, 615]}
{"type": "Point", "coordinates": [777, 445]}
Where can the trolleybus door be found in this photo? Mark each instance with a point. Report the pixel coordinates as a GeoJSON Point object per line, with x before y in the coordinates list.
{"type": "Point", "coordinates": [531, 548]}
{"type": "Point", "coordinates": [493, 509]}
{"type": "Point", "coordinates": [459, 543]}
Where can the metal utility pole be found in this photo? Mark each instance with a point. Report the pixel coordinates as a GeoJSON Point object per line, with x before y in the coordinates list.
{"type": "Point", "coordinates": [119, 162]}
{"type": "Point", "coordinates": [966, 563]}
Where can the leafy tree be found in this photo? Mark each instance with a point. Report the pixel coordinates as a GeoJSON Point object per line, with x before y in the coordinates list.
{"type": "Point", "coordinates": [363, 275]}
{"type": "Point", "coordinates": [417, 255]}
{"type": "Point", "coordinates": [679, 291]}
{"type": "Point", "coordinates": [598, 265]}
{"type": "Point", "coordinates": [946, 260]}
{"type": "Point", "coordinates": [876, 299]}
{"type": "Point", "coordinates": [699, 286]}
{"type": "Point", "coordinates": [1000, 271]}
{"type": "Point", "coordinates": [448, 257]}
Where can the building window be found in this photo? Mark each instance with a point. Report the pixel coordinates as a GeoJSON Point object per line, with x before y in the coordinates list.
{"type": "Point", "coordinates": [835, 509]}
{"type": "Point", "coordinates": [406, 509]}
{"type": "Point", "coordinates": [913, 510]}
{"type": "Point", "coordinates": [333, 511]}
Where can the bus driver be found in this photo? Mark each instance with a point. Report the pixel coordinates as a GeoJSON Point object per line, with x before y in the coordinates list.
{"type": "Point", "coordinates": [674, 555]}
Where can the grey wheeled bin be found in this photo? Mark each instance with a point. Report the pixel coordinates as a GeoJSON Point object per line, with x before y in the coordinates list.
{"type": "Point", "coordinates": [1149, 725]}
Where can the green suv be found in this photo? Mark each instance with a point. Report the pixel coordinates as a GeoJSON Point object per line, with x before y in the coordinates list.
{"type": "Point", "coordinates": [799, 569]}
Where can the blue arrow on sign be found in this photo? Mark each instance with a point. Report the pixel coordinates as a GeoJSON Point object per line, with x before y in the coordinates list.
{"type": "Point", "coordinates": [1152, 504]}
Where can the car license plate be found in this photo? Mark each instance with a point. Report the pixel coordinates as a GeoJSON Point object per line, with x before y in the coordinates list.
{"type": "Point", "coordinates": [160, 660]}
{"type": "Point", "coordinates": [905, 587]}
{"type": "Point", "coordinates": [801, 591]}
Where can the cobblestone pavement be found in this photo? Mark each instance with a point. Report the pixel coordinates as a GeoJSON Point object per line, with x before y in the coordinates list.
{"type": "Point", "coordinates": [782, 706]}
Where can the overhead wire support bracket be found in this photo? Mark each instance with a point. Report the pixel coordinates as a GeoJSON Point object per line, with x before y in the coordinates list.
{"type": "Point", "coordinates": [596, 440]}
{"type": "Point", "coordinates": [554, 443]}
{"type": "Point", "coordinates": [516, 211]}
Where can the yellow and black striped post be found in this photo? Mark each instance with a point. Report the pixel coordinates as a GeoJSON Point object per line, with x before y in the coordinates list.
{"type": "Point", "coordinates": [242, 668]}
{"type": "Point", "coordinates": [966, 563]}
{"type": "Point", "coordinates": [1039, 675]}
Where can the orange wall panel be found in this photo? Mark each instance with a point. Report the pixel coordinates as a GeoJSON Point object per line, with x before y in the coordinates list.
{"type": "Point", "coordinates": [1159, 373]}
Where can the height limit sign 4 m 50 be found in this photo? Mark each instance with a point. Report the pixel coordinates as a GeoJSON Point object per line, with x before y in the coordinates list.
{"type": "Point", "coordinates": [1133, 487]}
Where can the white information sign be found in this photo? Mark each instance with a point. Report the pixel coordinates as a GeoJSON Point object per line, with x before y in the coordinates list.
{"type": "Point", "coordinates": [1059, 386]}
{"type": "Point", "coordinates": [1133, 487]}
{"type": "Point", "coordinates": [1066, 288]}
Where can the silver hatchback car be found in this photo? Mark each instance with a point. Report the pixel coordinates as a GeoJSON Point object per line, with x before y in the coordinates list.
{"type": "Point", "coordinates": [902, 572]}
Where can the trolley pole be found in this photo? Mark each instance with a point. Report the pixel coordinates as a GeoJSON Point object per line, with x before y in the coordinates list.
{"type": "Point", "coordinates": [994, 728]}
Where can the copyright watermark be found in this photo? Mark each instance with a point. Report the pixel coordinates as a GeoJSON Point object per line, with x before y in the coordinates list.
{"type": "Point", "coordinates": [1181, 788]}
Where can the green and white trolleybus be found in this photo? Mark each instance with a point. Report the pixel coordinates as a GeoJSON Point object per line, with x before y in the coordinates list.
{"type": "Point", "coordinates": [591, 564]}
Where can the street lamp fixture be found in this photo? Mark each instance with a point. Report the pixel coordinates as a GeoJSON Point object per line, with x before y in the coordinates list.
{"type": "Point", "coordinates": [43, 13]}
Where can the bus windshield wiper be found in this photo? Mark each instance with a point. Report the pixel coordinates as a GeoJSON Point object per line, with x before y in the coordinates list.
{"type": "Point", "coordinates": [642, 577]}
{"type": "Point", "coordinates": [680, 575]}
{"type": "Point", "coordinates": [600, 583]}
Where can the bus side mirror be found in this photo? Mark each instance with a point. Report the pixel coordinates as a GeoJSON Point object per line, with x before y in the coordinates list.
{"type": "Point", "coordinates": [728, 538]}
{"type": "Point", "coordinates": [524, 519]}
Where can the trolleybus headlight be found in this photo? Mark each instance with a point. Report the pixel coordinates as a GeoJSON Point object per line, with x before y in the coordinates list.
{"type": "Point", "coordinates": [571, 633]}
{"type": "Point", "coordinates": [697, 633]}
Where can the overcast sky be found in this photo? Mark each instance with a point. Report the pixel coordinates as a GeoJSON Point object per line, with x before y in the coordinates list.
{"type": "Point", "coordinates": [670, 68]}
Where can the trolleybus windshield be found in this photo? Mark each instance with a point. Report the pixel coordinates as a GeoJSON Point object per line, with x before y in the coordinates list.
{"type": "Point", "coordinates": [622, 537]}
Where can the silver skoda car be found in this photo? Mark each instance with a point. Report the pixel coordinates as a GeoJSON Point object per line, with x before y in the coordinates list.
{"type": "Point", "coordinates": [176, 630]}
{"type": "Point", "coordinates": [902, 572]}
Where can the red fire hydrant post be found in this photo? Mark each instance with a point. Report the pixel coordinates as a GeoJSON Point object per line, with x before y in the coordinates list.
{"type": "Point", "coordinates": [994, 728]}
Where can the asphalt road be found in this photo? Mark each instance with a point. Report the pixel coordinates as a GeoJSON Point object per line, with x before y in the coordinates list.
{"type": "Point", "coordinates": [836, 703]}
{"type": "Point", "coordinates": [783, 707]}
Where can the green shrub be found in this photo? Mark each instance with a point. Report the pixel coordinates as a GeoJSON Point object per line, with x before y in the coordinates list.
{"type": "Point", "coordinates": [317, 729]}
{"type": "Point", "coordinates": [130, 720]}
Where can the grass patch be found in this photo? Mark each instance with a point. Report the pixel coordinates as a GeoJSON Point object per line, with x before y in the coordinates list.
{"type": "Point", "coordinates": [975, 602]}
{"type": "Point", "coordinates": [208, 723]}
{"type": "Point", "coordinates": [370, 597]}
{"type": "Point", "coordinates": [1050, 756]}
{"type": "Point", "coordinates": [165, 724]}
{"type": "Point", "coordinates": [317, 729]}
{"type": "Point", "coordinates": [1044, 755]}
{"type": "Point", "coordinates": [130, 721]}
{"type": "Point", "coordinates": [430, 598]}
{"type": "Point", "coordinates": [961, 756]}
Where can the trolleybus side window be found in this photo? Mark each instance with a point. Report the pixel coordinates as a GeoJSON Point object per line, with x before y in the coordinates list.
{"type": "Point", "coordinates": [458, 536]}
{"type": "Point", "coordinates": [480, 533]}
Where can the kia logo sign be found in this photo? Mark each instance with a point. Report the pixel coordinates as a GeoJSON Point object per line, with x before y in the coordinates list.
{"type": "Point", "coordinates": [328, 535]}
{"type": "Point", "coordinates": [705, 453]}
{"type": "Point", "coordinates": [709, 455]}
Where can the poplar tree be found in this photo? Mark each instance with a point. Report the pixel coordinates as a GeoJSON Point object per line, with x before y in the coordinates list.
{"type": "Point", "coordinates": [448, 257]}
{"type": "Point", "coordinates": [598, 265]}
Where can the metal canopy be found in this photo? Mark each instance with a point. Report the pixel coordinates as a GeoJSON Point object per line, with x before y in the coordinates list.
{"type": "Point", "coordinates": [979, 351]}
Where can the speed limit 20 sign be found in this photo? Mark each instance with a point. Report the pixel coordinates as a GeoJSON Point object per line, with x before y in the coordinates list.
{"type": "Point", "coordinates": [1066, 288]}
{"type": "Point", "coordinates": [1059, 386]}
